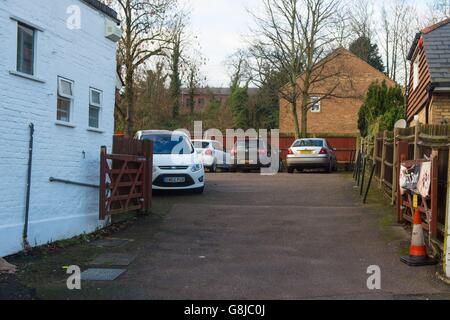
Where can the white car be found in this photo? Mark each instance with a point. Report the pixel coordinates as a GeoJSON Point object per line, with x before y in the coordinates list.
{"type": "Point", "coordinates": [176, 165]}
{"type": "Point", "coordinates": [212, 154]}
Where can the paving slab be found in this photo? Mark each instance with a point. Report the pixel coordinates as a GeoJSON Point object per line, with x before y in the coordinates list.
{"type": "Point", "coordinates": [113, 259]}
{"type": "Point", "coordinates": [102, 274]}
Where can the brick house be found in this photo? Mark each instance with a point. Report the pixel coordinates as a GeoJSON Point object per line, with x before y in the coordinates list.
{"type": "Point", "coordinates": [203, 97]}
{"type": "Point", "coordinates": [429, 90]}
{"type": "Point", "coordinates": [339, 96]}
{"type": "Point", "coordinates": [57, 72]}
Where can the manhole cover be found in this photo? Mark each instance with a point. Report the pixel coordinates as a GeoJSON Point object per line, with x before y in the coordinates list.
{"type": "Point", "coordinates": [110, 242]}
{"type": "Point", "coordinates": [113, 259]}
{"type": "Point", "coordinates": [102, 274]}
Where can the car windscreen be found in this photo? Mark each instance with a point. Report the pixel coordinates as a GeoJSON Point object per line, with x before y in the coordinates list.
{"type": "Point", "coordinates": [169, 144]}
{"type": "Point", "coordinates": [201, 144]}
{"type": "Point", "coordinates": [250, 144]}
{"type": "Point", "coordinates": [308, 143]}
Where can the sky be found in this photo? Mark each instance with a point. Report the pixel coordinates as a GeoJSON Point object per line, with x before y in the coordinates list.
{"type": "Point", "coordinates": [221, 26]}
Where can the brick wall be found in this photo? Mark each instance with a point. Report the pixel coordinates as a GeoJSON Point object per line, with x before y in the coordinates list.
{"type": "Point", "coordinates": [440, 108]}
{"type": "Point", "coordinates": [339, 112]}
{"type": "Point", "coordinates": [84, 56]}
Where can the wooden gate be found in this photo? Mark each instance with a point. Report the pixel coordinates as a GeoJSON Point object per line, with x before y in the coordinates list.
{"type": "Point", "coordinates": [126, 177]}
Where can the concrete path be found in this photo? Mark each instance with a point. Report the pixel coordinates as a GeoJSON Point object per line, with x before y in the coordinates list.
{"type": "Point", "coordinates": [303, 236]}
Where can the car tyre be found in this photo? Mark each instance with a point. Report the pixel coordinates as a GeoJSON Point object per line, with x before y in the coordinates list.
{"type": "Point", "coordinates": [213, 168]}
{"type": "Point", "coordinates": [290, 170]}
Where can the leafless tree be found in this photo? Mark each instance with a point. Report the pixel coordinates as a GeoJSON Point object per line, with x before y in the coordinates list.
{"type": "Point", "coordinates": [400, 23]}
{"type": "Point", "coordinates": [293, 36]}
{"type": "Point", "coordinates": [438, 10]}
{"type": "Point", "coordinates": [145, 35]}
{"type": "Point", "coordinates": [361, 15]}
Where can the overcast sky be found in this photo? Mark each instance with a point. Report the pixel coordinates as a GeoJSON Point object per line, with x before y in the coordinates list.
{"type": "Point", "coordinates": [221, 26]}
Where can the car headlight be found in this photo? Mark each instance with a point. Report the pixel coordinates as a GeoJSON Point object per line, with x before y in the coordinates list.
{"type": "Point", "coordinates": [197, 167]}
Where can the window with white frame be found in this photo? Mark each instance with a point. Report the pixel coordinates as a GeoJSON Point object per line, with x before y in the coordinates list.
{"type": "Point", "coordinates": [26, 43]}
{"type": "Point", "coordinates": [315, 105]}
{"type": "Point", "coordinates": [95, 106]}
{"type": "Point", "coordinates": [416, 72]}
{"type": "Point", "coordinates": [65, 100]}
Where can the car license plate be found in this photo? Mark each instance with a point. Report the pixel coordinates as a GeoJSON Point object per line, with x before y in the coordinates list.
{"type": "Point", "coordinates": [305, 152]}
{"type": "Point", "coordinates": [247, 162]}
{"type": "Point", "coordinates": [175, 180]}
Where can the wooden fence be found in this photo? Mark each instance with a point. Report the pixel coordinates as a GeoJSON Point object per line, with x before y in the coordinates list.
{"type": "Point", "coordinates": [126, 177]}
{"type": "Point", "coordinates": [421, 142]}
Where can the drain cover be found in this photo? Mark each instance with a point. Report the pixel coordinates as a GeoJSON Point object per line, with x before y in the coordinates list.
{"type": "Point", "coordinates": [113, 259]}
{"type": "Point", "coordinates": [102, 274]}
{"type": "Point", "coordinates": [110, 242]}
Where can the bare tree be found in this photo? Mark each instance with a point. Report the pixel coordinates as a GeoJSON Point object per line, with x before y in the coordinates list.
{"type": "Point", "coordinates": [400, 23]}
{"type": "Point", "coordinates": [361, 15]}
{"type": "Point", "coordinates": [144, 24]}
{"type": "Point", "coordinates": [438, 10]}
{"type": "Point", "coordinates": [293, 36]}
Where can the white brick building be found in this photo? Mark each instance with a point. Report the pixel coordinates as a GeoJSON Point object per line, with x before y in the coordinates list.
{"type": "Point", "coordinates": [57, 71]}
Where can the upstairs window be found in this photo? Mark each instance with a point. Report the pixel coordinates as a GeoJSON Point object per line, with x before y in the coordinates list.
{"type": "Point", "coordinates": [26, 38]}
{"type": "Point", "coordinates": [416, 72]}
{"type": "Point", "coordinates": [95, 106]}
{"type": "Point", "coordinates": [65, 100]}
{"type": "Point", "coordinates": [315, 107]}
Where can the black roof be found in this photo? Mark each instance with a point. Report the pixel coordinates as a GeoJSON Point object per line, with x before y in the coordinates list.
{"type": "Point", "coordinates": [437, 48]}
{"type": "Point", "coordinates": [96, 4]}
{"type": "Point", "coordinates": [436, 42]}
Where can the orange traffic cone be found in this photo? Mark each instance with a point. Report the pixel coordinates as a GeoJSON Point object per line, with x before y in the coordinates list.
{"type": "Point", "coordinates": [418, 252]}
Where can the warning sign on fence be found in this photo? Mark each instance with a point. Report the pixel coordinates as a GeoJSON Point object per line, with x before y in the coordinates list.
{"type": "Point", "coordinates": [416, 178]}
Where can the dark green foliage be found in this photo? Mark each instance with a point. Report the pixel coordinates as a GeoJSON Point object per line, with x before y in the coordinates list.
{"type": "Point", "coordinates": [239, 107]}
{"type": "Point", "coordinates": [383, 106]}
{"type": "Point", "coordinates": [363, 48]}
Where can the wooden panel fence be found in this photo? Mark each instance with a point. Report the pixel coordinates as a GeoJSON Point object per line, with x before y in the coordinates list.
{"type": "Point", "coordinates": [421, 142]}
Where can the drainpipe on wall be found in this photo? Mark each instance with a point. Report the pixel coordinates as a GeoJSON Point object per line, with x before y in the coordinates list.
{"type": "Point", "coordinates": [26, 245]}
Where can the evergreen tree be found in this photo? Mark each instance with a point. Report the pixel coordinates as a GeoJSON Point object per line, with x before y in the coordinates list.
{"type": "Point", "coordinates": [383, 107]}
{"type": "Point", "coordinates": [363, 48]}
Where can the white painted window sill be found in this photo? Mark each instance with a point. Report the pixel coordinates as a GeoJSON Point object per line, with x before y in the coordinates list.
{"type": "Point", "coordinates": [26, 76]}
{"type": "Point", "coordinates": [96, 130]}
{"type": "Point", "coordinates": [65, 124]}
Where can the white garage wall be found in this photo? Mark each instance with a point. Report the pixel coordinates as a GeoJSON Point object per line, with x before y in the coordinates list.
{"type": "Point", "coordinates": [85, 56]}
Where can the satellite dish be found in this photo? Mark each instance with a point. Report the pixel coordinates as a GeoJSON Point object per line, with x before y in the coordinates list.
{"type": "Point", "coordinates": [401, 124]}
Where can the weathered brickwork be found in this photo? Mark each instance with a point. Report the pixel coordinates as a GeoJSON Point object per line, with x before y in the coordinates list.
{"type": "Point", "coordinates": [84, 56]}
{"type": "Point", "coordinates": [339, 112]}
{"type": "Point", "coordinates": [440, 108]}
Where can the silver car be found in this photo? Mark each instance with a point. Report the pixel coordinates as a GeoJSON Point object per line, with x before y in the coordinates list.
{"type": "Point", "coordinates": [311, 154]}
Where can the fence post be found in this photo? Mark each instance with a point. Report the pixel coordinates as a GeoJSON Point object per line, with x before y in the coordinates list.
{"type": "Point", "coordinates": [416, 140]}
{"type": "Point", "coordinates": [394, 166]}
{"type": "Point", "coordinates": [148, 172]}
{"type": "Point", "coordinates": [402, 156]}
{"type": "Point", "coordinates": [383, 158]}
{"type": "Point", "coordinates": [446, 235]}
{"type": "Point", "coordinates": [102, 195]}
{"type": "Point", "coordinates": [434, 192]}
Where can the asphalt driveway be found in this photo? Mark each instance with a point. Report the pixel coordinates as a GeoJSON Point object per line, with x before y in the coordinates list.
{"type": "Point", "coordinates": [303, 236]}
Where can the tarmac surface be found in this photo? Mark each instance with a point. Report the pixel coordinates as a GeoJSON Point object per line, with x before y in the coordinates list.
{"type": "Point", "coordinates": [302, 236]}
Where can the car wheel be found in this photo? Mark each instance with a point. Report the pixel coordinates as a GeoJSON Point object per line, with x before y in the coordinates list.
{"type": "Point", "coordinates": [330, 167]}
{"type": "Point", "coordinates": [199, 190]}
{"type": "Point", "coordinates": [213, 168]}
{"type": "Point", "coordinates": [290, 170]}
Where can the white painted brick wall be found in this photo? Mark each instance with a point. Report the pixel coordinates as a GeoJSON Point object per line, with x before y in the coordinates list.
{"type": "Point", "coordinates": [84, 56]}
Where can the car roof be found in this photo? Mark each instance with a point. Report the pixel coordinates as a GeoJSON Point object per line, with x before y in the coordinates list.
{"type": "Point", "coordinates": [161, 132]}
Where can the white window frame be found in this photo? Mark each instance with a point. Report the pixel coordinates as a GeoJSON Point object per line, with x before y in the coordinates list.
{"type": "Point", "coordinates": [316, 102]}
{"type": "Point", "coordinates": [416, 72]}
{"type": "Point", "coordinates": [25, 25]}
{"type": "Point", "coordinates": [95, 105]}
{"type": "Point", "coordinates": [66, 96]}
